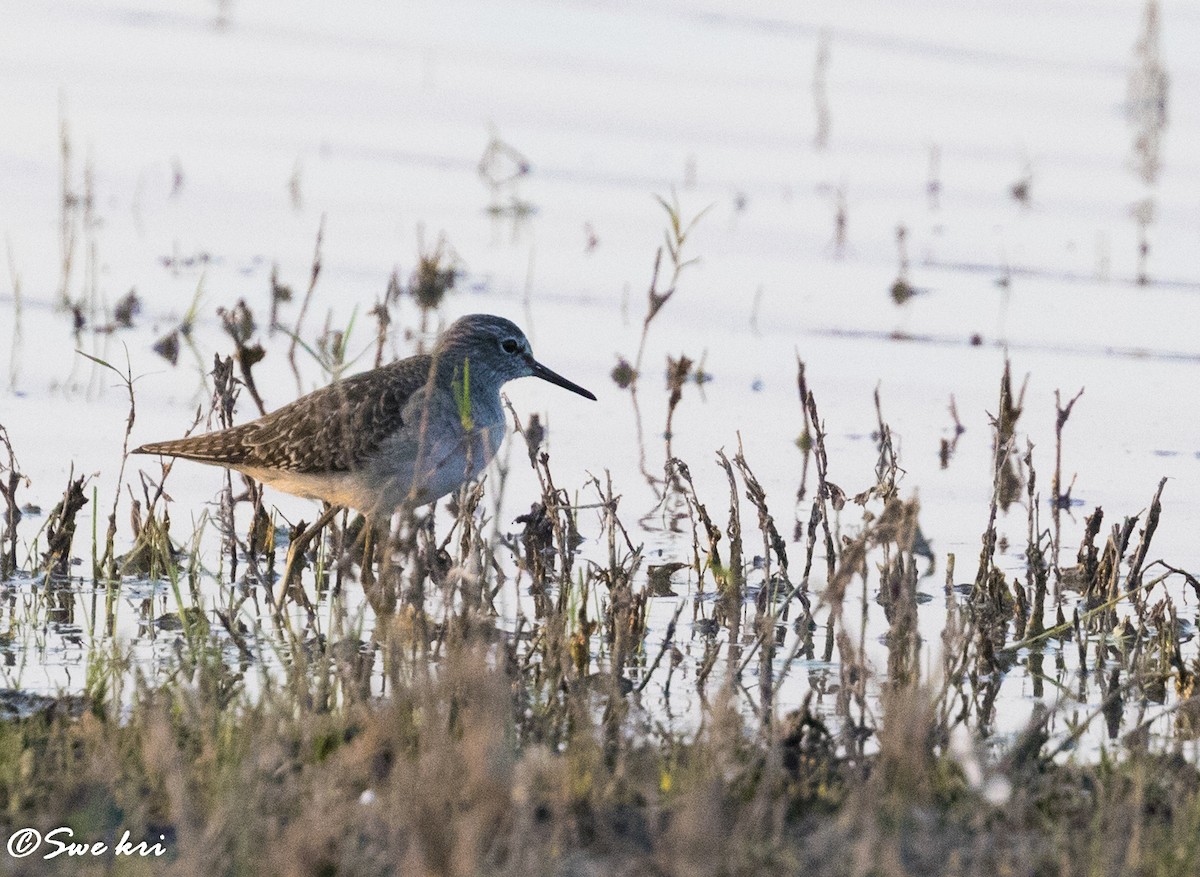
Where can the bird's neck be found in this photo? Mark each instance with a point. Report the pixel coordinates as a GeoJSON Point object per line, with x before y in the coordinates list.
{"type": "Point", "coordinates": [474, 386]}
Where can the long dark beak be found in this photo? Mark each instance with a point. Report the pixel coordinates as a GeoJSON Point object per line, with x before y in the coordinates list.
{"type": "Point", "coordinates": [540, 371]}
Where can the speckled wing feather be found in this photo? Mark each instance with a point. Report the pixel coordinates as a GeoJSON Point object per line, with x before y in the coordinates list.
{"type": "Point", "coordinates": [333, 429]}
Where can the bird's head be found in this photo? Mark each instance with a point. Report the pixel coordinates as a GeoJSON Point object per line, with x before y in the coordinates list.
{"type": "Point", "coordinates": [495, 347]}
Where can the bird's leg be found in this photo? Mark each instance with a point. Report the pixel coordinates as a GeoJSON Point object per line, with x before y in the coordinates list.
{"type": "Point", "coordinates": [368, 556]}
{"type": "Point", "coordinates": [298, 546]}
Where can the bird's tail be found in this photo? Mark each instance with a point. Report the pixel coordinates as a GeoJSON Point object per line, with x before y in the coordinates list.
{"type": "Point", "coordinates": [223, 447]}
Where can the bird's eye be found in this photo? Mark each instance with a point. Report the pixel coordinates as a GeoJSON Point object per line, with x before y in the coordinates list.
{"type": "Point", "coordinates": [510, 345]}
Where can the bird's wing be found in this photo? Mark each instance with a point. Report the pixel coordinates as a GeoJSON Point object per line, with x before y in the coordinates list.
{"type": "Point", "coordinates": [333, 429]}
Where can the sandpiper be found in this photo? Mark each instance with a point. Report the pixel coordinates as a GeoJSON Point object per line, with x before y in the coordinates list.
{"type": "Point", "coordinates": [406, 433]}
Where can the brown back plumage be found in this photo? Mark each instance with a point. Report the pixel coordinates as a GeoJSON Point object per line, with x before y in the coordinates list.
{"type": "Point", "coordinates": [333, 429]}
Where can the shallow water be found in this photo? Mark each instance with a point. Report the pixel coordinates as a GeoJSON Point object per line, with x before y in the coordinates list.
{"type": "Point", "coordinates": [216, 150]}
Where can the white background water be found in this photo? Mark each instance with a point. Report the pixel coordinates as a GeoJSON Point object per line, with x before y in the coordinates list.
{"type": "Point", "coordinates": [231, 130]}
